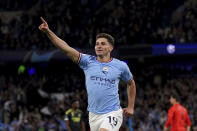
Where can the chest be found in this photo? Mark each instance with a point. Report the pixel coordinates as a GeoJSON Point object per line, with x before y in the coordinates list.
{"type": "Point", "coordinates": [104, 70]}
{"type": "Point", "coordinates": [74, 115]}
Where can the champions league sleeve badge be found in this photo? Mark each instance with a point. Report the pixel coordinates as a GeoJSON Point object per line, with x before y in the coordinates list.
{"type": "Point", "coordinates": [105, 70]}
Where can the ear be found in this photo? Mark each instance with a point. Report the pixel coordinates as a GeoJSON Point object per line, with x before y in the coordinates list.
{"type": "Point", "coordinates": [111, 47]}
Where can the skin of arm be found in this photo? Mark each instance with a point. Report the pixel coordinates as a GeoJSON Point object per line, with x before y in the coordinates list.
{"type": "Point", "coordinates": [131, 91]}
{"type": "Point", "coordinates": [83, 126]}
{"type": "Point", "coordinates": [188, 128]}
{"type": "Point", "coordinates": [188, 122]}
{"type": "Point", "coordinates": [165, 129]}
{"type": "Point", "coordinates": [67, 125]}
{"type": "Point", "coordinates": [59, 43]}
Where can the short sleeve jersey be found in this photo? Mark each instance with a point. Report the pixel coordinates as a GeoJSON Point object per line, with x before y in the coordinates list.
{"type": "Point", "coordinates": [102, 80]}
{"type": "Point", "coordinates": [75, 118]}
{"type": "Point", "coordinates": [178, 118]}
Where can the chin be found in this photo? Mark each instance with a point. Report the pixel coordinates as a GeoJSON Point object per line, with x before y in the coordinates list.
{"type": "Point", "coordinates": [99, 54]}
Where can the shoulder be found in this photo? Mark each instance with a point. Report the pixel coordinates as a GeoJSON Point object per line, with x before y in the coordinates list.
{"type": "Point", "coordinates": [174, 107]}
{"type": "Point", "coordinates": [85, 60]}
{"type": "Point", "coordinates": [171, 108]}
{"type": "Point", "coordinates": [119, 62]}
{"type": "Point", "coordinates": [183, 108]}
{"type": "Point", "coordinates": [78, 110]}
{"type": "Point", "coordinates": [87, 56]}
{"type": "Point", "coordinates": [68, 111]}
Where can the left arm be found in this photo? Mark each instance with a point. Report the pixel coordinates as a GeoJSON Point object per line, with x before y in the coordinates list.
{"type": "Point", "coordinates": [83, 126]}
{"type": "Point", "coordinates": [131, 92]}
{"type": "Point", "coordinates": [188, 121]}
{"type": "Point", "coordinates": [169, 119]}
{"type": "Point", "coordinates": [165, 128]}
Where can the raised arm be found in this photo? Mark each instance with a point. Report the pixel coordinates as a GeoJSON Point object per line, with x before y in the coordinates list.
{"type": "Point", "coordinates": [131, 92]}
{"type": "Point", "coordinates": [69, 51]}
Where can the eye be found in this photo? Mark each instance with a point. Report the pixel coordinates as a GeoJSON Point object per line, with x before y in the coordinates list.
{"type": "Point", "coordinates": [103, 43]}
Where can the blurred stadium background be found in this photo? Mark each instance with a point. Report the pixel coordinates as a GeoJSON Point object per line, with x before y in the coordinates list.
{"type": "Point", "coordinates": [156, 38]}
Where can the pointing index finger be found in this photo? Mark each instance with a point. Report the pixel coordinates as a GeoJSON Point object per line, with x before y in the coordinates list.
{"type": "Point", "coordinates": [42, 19]}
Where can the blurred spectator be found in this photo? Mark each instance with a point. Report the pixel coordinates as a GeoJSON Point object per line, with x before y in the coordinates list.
{"type": "Point", "coordinates": [74, 117]}
{"type": "Point", "coordinates": [131, 22]}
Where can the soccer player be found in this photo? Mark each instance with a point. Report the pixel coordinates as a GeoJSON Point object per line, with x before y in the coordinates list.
{"type": "Point", "coordinates": [102, 74]}
{"type": "Point", "coordinates": [178, 118]}
{"type": "Point", "coordinates": [74, 118]}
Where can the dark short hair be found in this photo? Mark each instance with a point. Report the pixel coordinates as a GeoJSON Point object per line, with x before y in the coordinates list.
{"type": "Point", "coordinates": [74, 100]}
{"type": "Point", "coordinates": [175, 95]}
{"type": "Point", "coordinates": [109, 38]}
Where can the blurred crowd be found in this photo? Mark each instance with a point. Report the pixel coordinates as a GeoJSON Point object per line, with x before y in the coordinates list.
{"type": "Point", "coordinates": [153, 86]}
{"type": "Point", "coordinates": [10, 5]}
{"type": "Point", "coordinates": [38, 102]}
{"type": "Point", "coordinates": [130, 22]}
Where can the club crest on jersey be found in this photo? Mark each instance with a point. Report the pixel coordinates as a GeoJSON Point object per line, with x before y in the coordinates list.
{"type": "Point", "coordinates": [105, 70]}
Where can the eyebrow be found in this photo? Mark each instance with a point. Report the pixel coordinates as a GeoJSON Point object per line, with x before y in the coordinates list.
{"type": "Point", "coordinates": [101, 42]}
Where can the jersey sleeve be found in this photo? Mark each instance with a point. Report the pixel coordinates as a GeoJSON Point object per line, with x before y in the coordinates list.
{"type": "Point", "coordinates": [67, 114]}
{"type": "Point", "coordinates": [126, 74]}
{"type": "Point", "coordinates": [188, 121]}
{"type": "Point", "coordinates": [83, 61]}
{"type": "Point", "coordinates": [169, 119]}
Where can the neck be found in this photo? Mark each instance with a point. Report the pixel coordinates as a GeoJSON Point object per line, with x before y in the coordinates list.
{"type": "Point", "coordinates": [175, 103]}
{"type": "Point", "coordinates": [74, 109]}
{"type": "Point", "coordinates": [104, 58]}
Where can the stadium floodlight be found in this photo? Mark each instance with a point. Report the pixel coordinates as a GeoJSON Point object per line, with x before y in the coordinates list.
{"type": "Point", "coordinates": [32, 71]}
{"type": "Point", "coordinates": [171, 49]}
{"type": "Point", "coordinates": [21, 69]}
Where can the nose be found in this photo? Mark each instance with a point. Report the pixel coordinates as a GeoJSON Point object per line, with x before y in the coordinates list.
{"type": "Point", "coordinates": [98, 46]}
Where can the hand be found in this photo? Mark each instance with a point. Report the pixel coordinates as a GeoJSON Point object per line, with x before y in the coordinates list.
{"type": "Point", "coordinates": [128, 111]}
{"type": "Point", "coordinates": [44, 26]}
{"type": "Point", "coordinates": [165, 129]}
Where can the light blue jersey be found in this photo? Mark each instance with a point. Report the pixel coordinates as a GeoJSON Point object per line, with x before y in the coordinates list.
{"type": "Point", "coordinates": [102, 81]}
